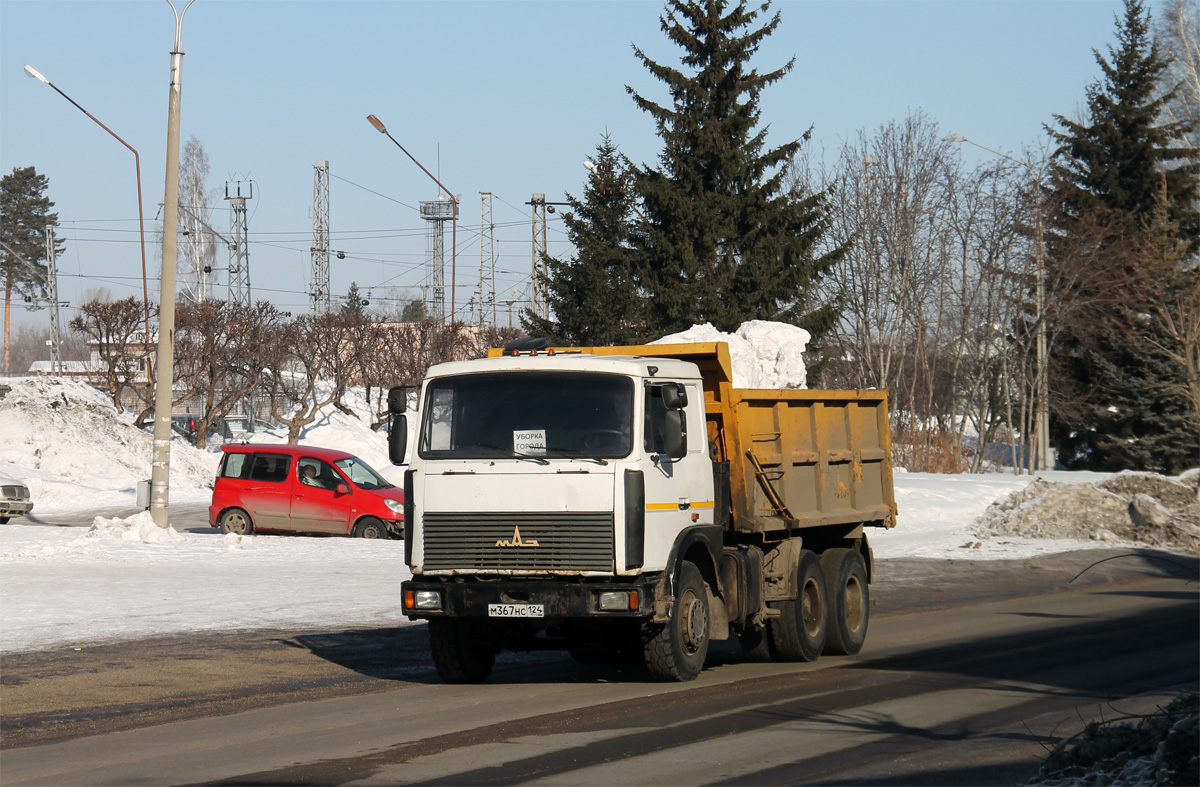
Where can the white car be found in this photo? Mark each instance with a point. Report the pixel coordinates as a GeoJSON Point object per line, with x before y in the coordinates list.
{"type": "Point", "coordinates": [14, 499]}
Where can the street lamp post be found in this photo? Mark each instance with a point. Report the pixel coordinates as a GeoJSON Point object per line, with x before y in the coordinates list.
{"type": "Point", "coordinates": [382, 129]}
{"type": "Point", "coordinates": [137, 164]}
{"type": "Point", "coordinates": [160, 466]}
{"type": "Point", "coordinates": [1041, 381]}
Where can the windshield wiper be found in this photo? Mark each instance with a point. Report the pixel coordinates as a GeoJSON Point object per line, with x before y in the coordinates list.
{"type": "Point", "coordinates": [514, 454]}
{"type": "Point", "coordinates": [575, 453]}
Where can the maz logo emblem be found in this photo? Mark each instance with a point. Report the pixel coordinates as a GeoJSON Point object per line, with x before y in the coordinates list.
{"type": "Point", "coordinates": [517, 541]}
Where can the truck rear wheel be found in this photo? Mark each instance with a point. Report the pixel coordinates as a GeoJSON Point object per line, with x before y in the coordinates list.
{"type": "Point", "coordinates": [461, 653]}
{"type": "Point", "coordinates": [799, 632]}
{"type": "Point", "coordinates": [848, 601]}
{"type": "Point", "coordinates": [675, 650]}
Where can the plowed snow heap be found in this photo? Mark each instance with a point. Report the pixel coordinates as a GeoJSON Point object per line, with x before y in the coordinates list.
{"type": "Point", "coordinates": [1130, 507]}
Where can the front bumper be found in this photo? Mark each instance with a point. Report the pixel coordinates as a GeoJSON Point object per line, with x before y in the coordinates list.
{"type": "Point", "coordinates": [15, 507]}
{"type": "Point", "coordinates": [469, 598]}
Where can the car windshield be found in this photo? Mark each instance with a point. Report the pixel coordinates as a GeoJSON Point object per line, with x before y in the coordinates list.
{"type": "Point", "coordinates": [534, 416]}
{"type": "Point", "coordinates": [361, 473]}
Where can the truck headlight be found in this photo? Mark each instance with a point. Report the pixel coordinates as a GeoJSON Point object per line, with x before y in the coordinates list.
{"type": "Point", "coordinates": [422, 599]}
{"type": "Point", "coordinates": [619, 600]}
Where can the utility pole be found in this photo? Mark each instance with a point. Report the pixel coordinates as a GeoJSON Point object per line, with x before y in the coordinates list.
{"type": "Point", "coordinates": [164, 383]}
{"type": "Point", "coordinates": [537, 286]}
{"type": "Point", "coordinates": [52, 286]}
{"type": "Point", "coordinates": [318, 293]}
{"type": "Point", "coordinates": [486, 297]}
{"type": "Point", "coordinates": [239, 251]}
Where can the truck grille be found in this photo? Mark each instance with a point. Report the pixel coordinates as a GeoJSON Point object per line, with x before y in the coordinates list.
{"type": "Point", "coordinates": [565, 541]}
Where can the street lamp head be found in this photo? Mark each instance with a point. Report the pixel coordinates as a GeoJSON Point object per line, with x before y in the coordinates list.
{"type": "Point", "coordinates": [30, 71]}
{"type": "Point", "coordinates": [954, 138]}
{"type": "Point", "coordinates": [378, 124]}
{"type": "Point", "coordinates": [591, 165]}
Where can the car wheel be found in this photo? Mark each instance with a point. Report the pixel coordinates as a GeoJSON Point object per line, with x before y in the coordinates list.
{"type": "Point", "coordinates": [235, 520]}
{"type": "Point", "coordinates": [370, 528]}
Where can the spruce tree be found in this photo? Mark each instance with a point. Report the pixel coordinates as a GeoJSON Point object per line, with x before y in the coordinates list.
{"type": "Point", "coordinates": [724, 241]}
{"type": "Point", "coordinates": [1119, 177]}
{"type": "Point", "coordinates": [593, 295]}
{"type": "Point", "coordinates": [24, 215]}
{"type": "Point", "coordinates": [353, 307]}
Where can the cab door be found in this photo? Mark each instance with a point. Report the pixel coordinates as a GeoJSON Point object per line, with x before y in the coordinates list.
{"type": "Point", "coordinates": [678, 490]}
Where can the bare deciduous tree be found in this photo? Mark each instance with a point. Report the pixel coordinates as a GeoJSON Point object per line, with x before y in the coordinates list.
{"type": "Point", "coordinates": [114, 332]}
{"type": "Point", "coordinates": [222, 355]}
{"type": "Point", "coordinates": [197, 244]}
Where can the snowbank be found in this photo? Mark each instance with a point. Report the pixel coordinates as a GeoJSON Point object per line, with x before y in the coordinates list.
{"type": "Point", "coordinates": [764, 354]}
{"type": "Point", "coordinates": [1128, 508]}
{"type": "Point", "coordinates": [68, 443]}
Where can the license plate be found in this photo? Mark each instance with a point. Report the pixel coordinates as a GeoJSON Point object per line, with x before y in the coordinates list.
{"type": "Point", "coordinates": [516, 611]}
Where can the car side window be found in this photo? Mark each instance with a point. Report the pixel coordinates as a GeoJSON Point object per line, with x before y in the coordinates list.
{"type": "Point", "coordinates": [272, 468]}
{"type": "Point", "coordinates": [314, 472]}
{"type": "Point", "coordinates": [235, 466]}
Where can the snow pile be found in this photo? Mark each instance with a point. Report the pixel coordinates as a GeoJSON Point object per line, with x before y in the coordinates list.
{"type": "Point", "coordinates": [764, 354]}
{"type": "Point", "coordinates": [139, 527]}
{"type": "Point", "coordinates": [59, 435]}
{"type": "Point", "coordinates": [1162, 748]}
{"type": "Point", "coordinates": [1134, 508]}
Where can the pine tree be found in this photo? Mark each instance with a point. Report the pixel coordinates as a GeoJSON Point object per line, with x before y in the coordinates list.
{"type": "Point", "coordinates": [593, 295]}
{"type": "Point", "coordinates": [24, 214]}
{"type": "Point", "coordinates": [353, 307]}
{"type": "Point", "coordinates": [725, 242]}
{"type": "Point", "coordinates": [1119, 177]}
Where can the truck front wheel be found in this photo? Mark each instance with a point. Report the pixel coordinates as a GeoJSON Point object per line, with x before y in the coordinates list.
{"type": "Point", "coordinates": [675, 650]}
{"type": "Point", "coordinates": [848, 601]}
{"type": "Point", "coordinates": [461, 652]}
{"type": "Point", "coordinates": [799, 631]}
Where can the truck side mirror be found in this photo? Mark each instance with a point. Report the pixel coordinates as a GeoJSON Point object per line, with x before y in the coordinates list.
{"type": "Point", "coordinates": [674, 396]}
{"type": "Point", "coordinates": [675, 433]}
{"type": "Point", "coordinates": [398, 399]}
{"type": "Point", "coordinates": [397, 436]}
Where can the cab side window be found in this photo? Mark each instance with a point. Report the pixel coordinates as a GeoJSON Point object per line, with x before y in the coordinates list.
{"type": "Point", "coordinates": [656, 415]}
{"type": "Point", "coordinates": [272, 468]}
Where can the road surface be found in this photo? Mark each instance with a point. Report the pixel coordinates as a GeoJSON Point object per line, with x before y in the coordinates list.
{"type": "Point", "coordinates": [971, 670]}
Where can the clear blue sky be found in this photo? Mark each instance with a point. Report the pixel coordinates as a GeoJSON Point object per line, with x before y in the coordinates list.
{"type": "Point", "coordinates": [505, 96]}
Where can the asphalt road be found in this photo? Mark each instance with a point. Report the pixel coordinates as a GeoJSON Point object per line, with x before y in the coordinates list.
{"type": "Point", "coordinates": [185, 517]}
{"type": "Point", "coordinates": [971, 670]}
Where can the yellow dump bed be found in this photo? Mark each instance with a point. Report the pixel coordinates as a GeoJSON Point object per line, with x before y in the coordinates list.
{"type": "Point", "coordinates": [797, 458]}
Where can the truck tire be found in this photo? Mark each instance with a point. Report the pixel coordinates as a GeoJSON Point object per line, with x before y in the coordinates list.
{"type": "Point", "coordinates": [460, 652]}
{"type": "Point", "coordinates": [675, 650]}
{"type": "Point", "coordinates": [799, 632]}
{"type": "Point", "coordinates": [848, 601]}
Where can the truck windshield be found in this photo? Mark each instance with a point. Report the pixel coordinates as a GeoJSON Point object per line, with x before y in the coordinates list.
{"type": "Point", "coordinates": [528, 415]}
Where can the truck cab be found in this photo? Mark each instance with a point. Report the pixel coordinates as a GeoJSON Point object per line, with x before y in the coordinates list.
{"type": "Point", "coordinates": [572, 477]}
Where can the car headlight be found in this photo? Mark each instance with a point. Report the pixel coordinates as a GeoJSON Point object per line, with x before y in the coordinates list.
{"type": "Point", "coordinates": [396, 506]}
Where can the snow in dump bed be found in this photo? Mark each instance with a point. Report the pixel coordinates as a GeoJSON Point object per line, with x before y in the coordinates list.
{"type": "Point", "coordinates": [764, 354]}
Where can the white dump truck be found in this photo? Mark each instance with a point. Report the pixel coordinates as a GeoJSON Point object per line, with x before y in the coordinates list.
{"type": "Point", "coordinates": [630, 503]}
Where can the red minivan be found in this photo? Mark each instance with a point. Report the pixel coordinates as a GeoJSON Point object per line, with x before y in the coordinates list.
{"type": "Point", "coordinates": [300, 489]}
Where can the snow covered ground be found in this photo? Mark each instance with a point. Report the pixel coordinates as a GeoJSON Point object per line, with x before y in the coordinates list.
{"type": "Point", "coordinates": [120, 579]}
